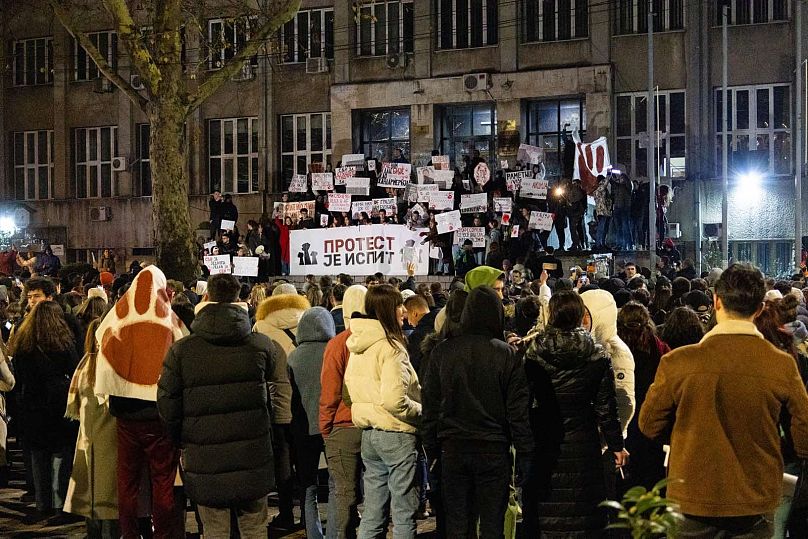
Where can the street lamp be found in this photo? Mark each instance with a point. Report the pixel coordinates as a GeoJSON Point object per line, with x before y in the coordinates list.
{"type": "Point", "coordinates": [7, 225]}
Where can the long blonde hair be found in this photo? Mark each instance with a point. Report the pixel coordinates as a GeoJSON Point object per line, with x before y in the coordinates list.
{"type": "Point", "coordinates": [257, 294]}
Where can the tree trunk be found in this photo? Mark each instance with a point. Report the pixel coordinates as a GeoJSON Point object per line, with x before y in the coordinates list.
{"type": "Point", "coordinates": [173, 235]}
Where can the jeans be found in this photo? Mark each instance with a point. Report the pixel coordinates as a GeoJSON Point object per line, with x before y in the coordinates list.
{"type": "Point", "coordinates": [251, 518]}
{"type": "Point", "coordinates": [476, 484]}
{"type": "Point", "coordinates": [750, 527]}
{"type": "Point", "coordinates": [51, 470]}
{"type": "Point", "coordinates": [343, 453]}
{"type": "Point", "coordinates": [622, 228]}
{"type": "Point", "coordinates": [284, 268]}
{"type": "Point", "coordinates": [308, 450]}
{"type": "Point", "coordinates": [389, 459]}
{"type": "Point", "coordinates": [603, 229]}
{"type": "Point", "coordinates": [143, 443]}
{"type": "Point", "coordinates": [281, 438]}
{"type": "Point", "coordinates": [422, 477]}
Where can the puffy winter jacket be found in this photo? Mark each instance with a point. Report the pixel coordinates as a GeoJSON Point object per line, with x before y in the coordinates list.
{"type": "Point", "coordinates": [212, 394]}
{"type": "Point", "coordinates": [381, 383]}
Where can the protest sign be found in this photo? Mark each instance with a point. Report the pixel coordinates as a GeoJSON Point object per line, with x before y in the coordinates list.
{"type": "Point", "coordinates": [359, 206]}
{"type": "Point", "coordinates": [342, 174]}
{"type": "Point", "coordinates": [506, 219]}
{"type": "Point", "coordinates": [58, 249]}
{"type": "Point", "coordinates": [395, 175]}
{"type": "Point", "coordinates": [227, 224]}
{"type": "Point", "coordinates": [474, 203]}
{"type": "Point", "coordinates": [435, 253]}
{"type": "Point", "coordinates": [443, 178]}
{"type": "Point", "coordinates": [440, 162]}
{"type": "Point", "coordinates": [448, 221]}
{"type": "Point", "coordinates": [503, 164]}
{"type": "Point", "coordinates": [534, 188]}
{"type": "Point", "coordinates": [292, 209]}
{"type": "Point", "coordinates": [503, 205]}
{"type": "Point", "coordinates": [515, 231]}
{"type": "Point", "coordinates": [386, 204]}
{"type": "Point", "coordinates": [420, 193]}
{"type": "Point", "coordinates": [474, 233]}
{"type": "Point", "coordinates": [353, 159]}
{"type": "Point", "coordinates": [245, 265]}
{"type": "Point", "coordinates": [217, 264]}
{"type": "Point", "coordinates": [324, 220]}
{"type": "Point", "coordinates": [209, 246]}
{"type": "Point", "coordinates": [371, 165]}
{"type": "Point", "coordinates": [528, 154]}
{"type": "Point", "coordinates": [357, 250]}
{"type": "Point", "coordinates": [540, 220]}
{"type": "Point", "coordinates": [358, 186]}
{"type": "Point", "coordinates": [322, 181]}
{"type": "Point", "coordinates": [422, 173]}
{"type": "Point", "coordinates": [513, 180]}
{"type": "Point", "coordinates": [482, 174]}
{"type": "Point", "coordinates": [441, 200]}
{"type": "Point", "coordinates": [339, 202]}
{"type": "Point", "coordinates": [299, 184]}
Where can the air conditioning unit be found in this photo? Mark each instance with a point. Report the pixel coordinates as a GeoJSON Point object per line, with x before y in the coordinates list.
{"type": "Point", "coordinates": [104, 85]}
{"type": "Point", "coordinates": [100, 213]}
{"type": "Point", "coordinates": [674, 230]}
{"type": "Point", "coordinates": [396, 60]}
{"type": "Point", "coordinates": [476, 82]}
{"type": "Point", "coordinates": [119, 164]}
{"type": "Point", "coordinates": [316, 65]}
{"type": "Point", "coordinates": [247, 73]}
{"type": "Point", "coordinates": [712, 230]}
{"type": "Point", "coordinates": [136, 82]}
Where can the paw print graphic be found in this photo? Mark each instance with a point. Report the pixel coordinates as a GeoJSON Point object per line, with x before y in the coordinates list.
{"type": "Point", "coordinates": [136, 344]}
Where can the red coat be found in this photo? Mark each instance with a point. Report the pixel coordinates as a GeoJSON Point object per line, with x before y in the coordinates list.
{"type": "Point", "coordinates": [283, 239]}
{"type": "Point", "coordinates": [333, 411]}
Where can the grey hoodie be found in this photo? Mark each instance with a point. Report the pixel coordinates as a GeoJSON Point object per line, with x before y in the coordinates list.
{"type": "Point", "coordinates": [315, 329]}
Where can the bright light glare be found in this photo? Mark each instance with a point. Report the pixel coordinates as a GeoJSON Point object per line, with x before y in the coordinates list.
{"type": "Point", "coordinates": [7, 225]}
{"type": "Point", "coordinates": [750, 179]}
{"type": "Point", "coordinates": [559, 191]}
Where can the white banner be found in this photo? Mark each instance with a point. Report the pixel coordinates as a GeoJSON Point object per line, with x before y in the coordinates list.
{"type": "Point", "coordinates": [444, 178]}
{"type": "Point", "coordinates": [342, 174]}
{"type": "Point", "coordinates": [227, 224]}
{"type": "Point", "coordinates": [245, 265]}
{"type": "Point", "coordinates": [357, 251]}
{"type": "Point", "coordinates": [540, 220]}
{"type": "Point", "coordinates": [358, 186]}
{"type": "Point", "coordinates": [448, 221]}
{"type": "Point", "coordinates": [514, 180]}
{"type": "Point", "coordinates": [355, 159]}
{"type": "Point", "coordinates": [474, 203]}
{"type": "Point", "coordinates": [217, 264]}
{"type": "Point", "coordinates": [299, 184]}
{"type": "Point", "coordinates": [474, 233]}
{"type": "Point", "coordinates": [532, 188]}
{"type": "Point", "coordinates": [591, 160]}
{"type": "Point", "coordinates": [441, 200]}
{"type": "Point", "coordinates": [386, 204]}
{"type": "Point", "coordinates": [396, 175]}
{"type": "Point", "coordinates": [530, 155]}
{"type": "Point", "coordinates": [503, 205]}
{"type": "Point", "coordinates": [420, 193]}
{"type": "Point", "coordinates": [339, 202]}
{"type": "Point", "coordinates": [292, 210]}
{"type": "Point", "coordinates": [359, 206]}
{"type": "Point", "coordinates": [440, 162]}
{"type": "Point", "coordinates": [322, 181]}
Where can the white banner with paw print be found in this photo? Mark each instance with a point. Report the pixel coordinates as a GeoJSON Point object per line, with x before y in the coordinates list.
{"type": "Point", "coordinates": [358, 250]}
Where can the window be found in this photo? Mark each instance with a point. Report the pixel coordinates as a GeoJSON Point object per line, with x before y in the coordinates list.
{"type": "Point", "coordinates": [233, 155]}
{"type": "Point", "coordinates": [95, 149]}
{"type": "Point", "coordinates": [33, 165]}
{"type": "Point", "coordinates": [226, 37]}
{"type": "Point", "coordinates": [632, 16]}
{"type": "Point", "coordinates": [385, 28]}
{"type": "Point", "coordinates": [465, 128]}
{"type": "Point", "coordinates": [84, 67]}
{"type": "Point", "coordinates": [382, 130]}
{"type": "Point", "coordinates": [753, 11]}
{"type": "Point", "coordinates": [33, 61]}
{"type": "Point", "coordinates": [759, 128]}
{"type": "Point", "coordinates": [632, 139]}
{"type": "Point", "coordinates": [303, 36]}
{"type": "Point", "coordinates": [466, 23]}
{"type": "Point", "coordinates": [143, 163]}
{"type": "Point", "coordinates": [554, 20]}
{"type": "Point", "coordinates": [305, 139]}
{"type": "Point", "coordinates": [550, 126]}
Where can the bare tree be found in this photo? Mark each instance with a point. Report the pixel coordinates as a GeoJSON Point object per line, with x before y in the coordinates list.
{"type": "Point", "coordinates": [170, 94]}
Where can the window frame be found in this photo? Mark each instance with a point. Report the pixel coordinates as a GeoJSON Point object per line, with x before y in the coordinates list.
{"type": "Point", "coordinates": [98, 162]}
{"type": "Point", "coordinates": [295, 154]}
{"type": "Point", "coordinates": [390, 143]}
{"type": "Point", "coordinates": [31, 170]}
{"type": "Point", "coordinates": [143, 159]}
{"type": "Point", "coordinates": [750, 7]}
{"type": "Point", "coordinates": [533, 132]}
{"type": "Point", "coordinates": [217, 56]}
{"type": "Point", "coordinates": [299, 55]}
{"type": "Point", "coordinates": [252, 155]}
{"type": "Point", "coordinates": [405, 43]}
{"type": "Point", "coordinates": [22, 55]}
{"type": "Point", "coordinates": [639, 16]}
{"type": "Point", "coordinates": [448, 139]}
{"type": "Point", "coordinates": [89, 64]}
{"type": "Point", "coordinates": [490, 32]}
{"type": "Point", "coordinates": [538, 35]}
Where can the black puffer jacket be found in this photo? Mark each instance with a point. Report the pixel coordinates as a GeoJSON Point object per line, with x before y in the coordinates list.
{"type": "Point", "coordinates": [572, 389]}
{"type": "Point", "coordinates": [213, 397]}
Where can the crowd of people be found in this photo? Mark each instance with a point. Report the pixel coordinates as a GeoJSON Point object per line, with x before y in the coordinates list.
{"type": "Point", "coordinates": [131, 395]}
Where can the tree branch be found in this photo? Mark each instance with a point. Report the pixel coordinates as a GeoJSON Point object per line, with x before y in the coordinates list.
{"type": "Point", "coordinates": [129, 35]}
{"type": "Point", "coordinates": [232, 67]}
{"type": "Point", "coordinates": [66, 19]}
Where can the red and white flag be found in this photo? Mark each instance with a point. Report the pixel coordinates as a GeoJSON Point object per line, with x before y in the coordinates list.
{"type": "Point", "coordinates": [591, 161]}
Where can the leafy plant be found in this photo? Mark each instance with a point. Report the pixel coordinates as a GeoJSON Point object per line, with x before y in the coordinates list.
{"type": "Point", "coordinates": [646, 514]}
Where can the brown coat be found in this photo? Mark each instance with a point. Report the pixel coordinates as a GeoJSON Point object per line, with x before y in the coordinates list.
{"type": "Point", "coordinates": [718, 404]}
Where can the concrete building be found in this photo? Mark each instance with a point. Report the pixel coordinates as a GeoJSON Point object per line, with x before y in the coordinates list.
{"type": "Point", "coordinates": [394, 74]}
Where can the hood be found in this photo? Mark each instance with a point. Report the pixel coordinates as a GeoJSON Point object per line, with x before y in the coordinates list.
{"type": "Point", "coordinates": [483, 313]}
{"type": "Point", "coordinates": [222, 323]}
{"type": "Point", "coordinates": [316, 325]}
{"type": "Point", "coordinates": [603, 310]}
{"type": "Point", "coordinates": [565, 349]}
{"type": "Point", "coordinates": [365, 332]}
{"type": "Point", "coordinates": [353, 302]}
{"type": "Point", "coordinates": [482, 276]}
{"type": "Point", "coordinates": [797, 330]}
{"type": "Point", "coordinates": [283, 311]}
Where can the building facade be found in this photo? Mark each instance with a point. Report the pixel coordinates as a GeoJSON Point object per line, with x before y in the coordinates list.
{"type": "Point", "coordinates": [345, 77]}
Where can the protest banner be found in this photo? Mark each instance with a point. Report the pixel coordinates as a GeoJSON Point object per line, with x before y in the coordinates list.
{"type": "Point", "coordinates": [357, 250]}
{"type": "Point", "coordinates": [474, 203]}
{"type": "Point", "coordinates": [217, 264]}
{"type": "Point", "coordinates": [474, 233]}
{"type": "Point", "coordinates": [322, 181]}
{"type": "Point", "coordinates": [342, 174]}
{"type": "Point", "coordinates": [503, 205]}
{"type": "Point", "coordinates": [422, 173]}
{"type": "Point", "coordinates": [440, 162]}
{"type": "Point", "coordinates": [227, 224]}
{"type": "Point", "coordinates": [591, 160]}
{"type": "Point", "coordinates": [441, 200]}
{"type": "Point", "coordinates": [482, 174]}
{"type": "Point", "coordinates": [246, 266]}
{"type": "Point", "coordinates": [530, 155]}
{"type": "Point", "coordinates": [540, 220]}
{"type": "Point", "coordinates": [448, 221]}
{"type": "Point", "coordinates": [292, 209]}
{"type": "Point", "coordinates": [339, 202]}
{"type": "Point", "coordinates": [358, 186]}
{"type": "Point", "coordinates": [386, 204]}
{"type": "Point", "coordinates": [420, 193]}
{"type": "Point", "coordinates": [513, 180]}
{"type": "Point", "coordinates": [299, 184]}
{"type": "Point", "coordinates": [443, 178]}
{"type": "Point", "coordinates": [359, 206]}
{"type": "Point", "coordinates": [515, 231]}
{"type": "Point", "coordinates": [534, 188]}
{"type": "Point", "coordinates": [353, 159]}
{"type": "Point", "coordinates": [395, 175]}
